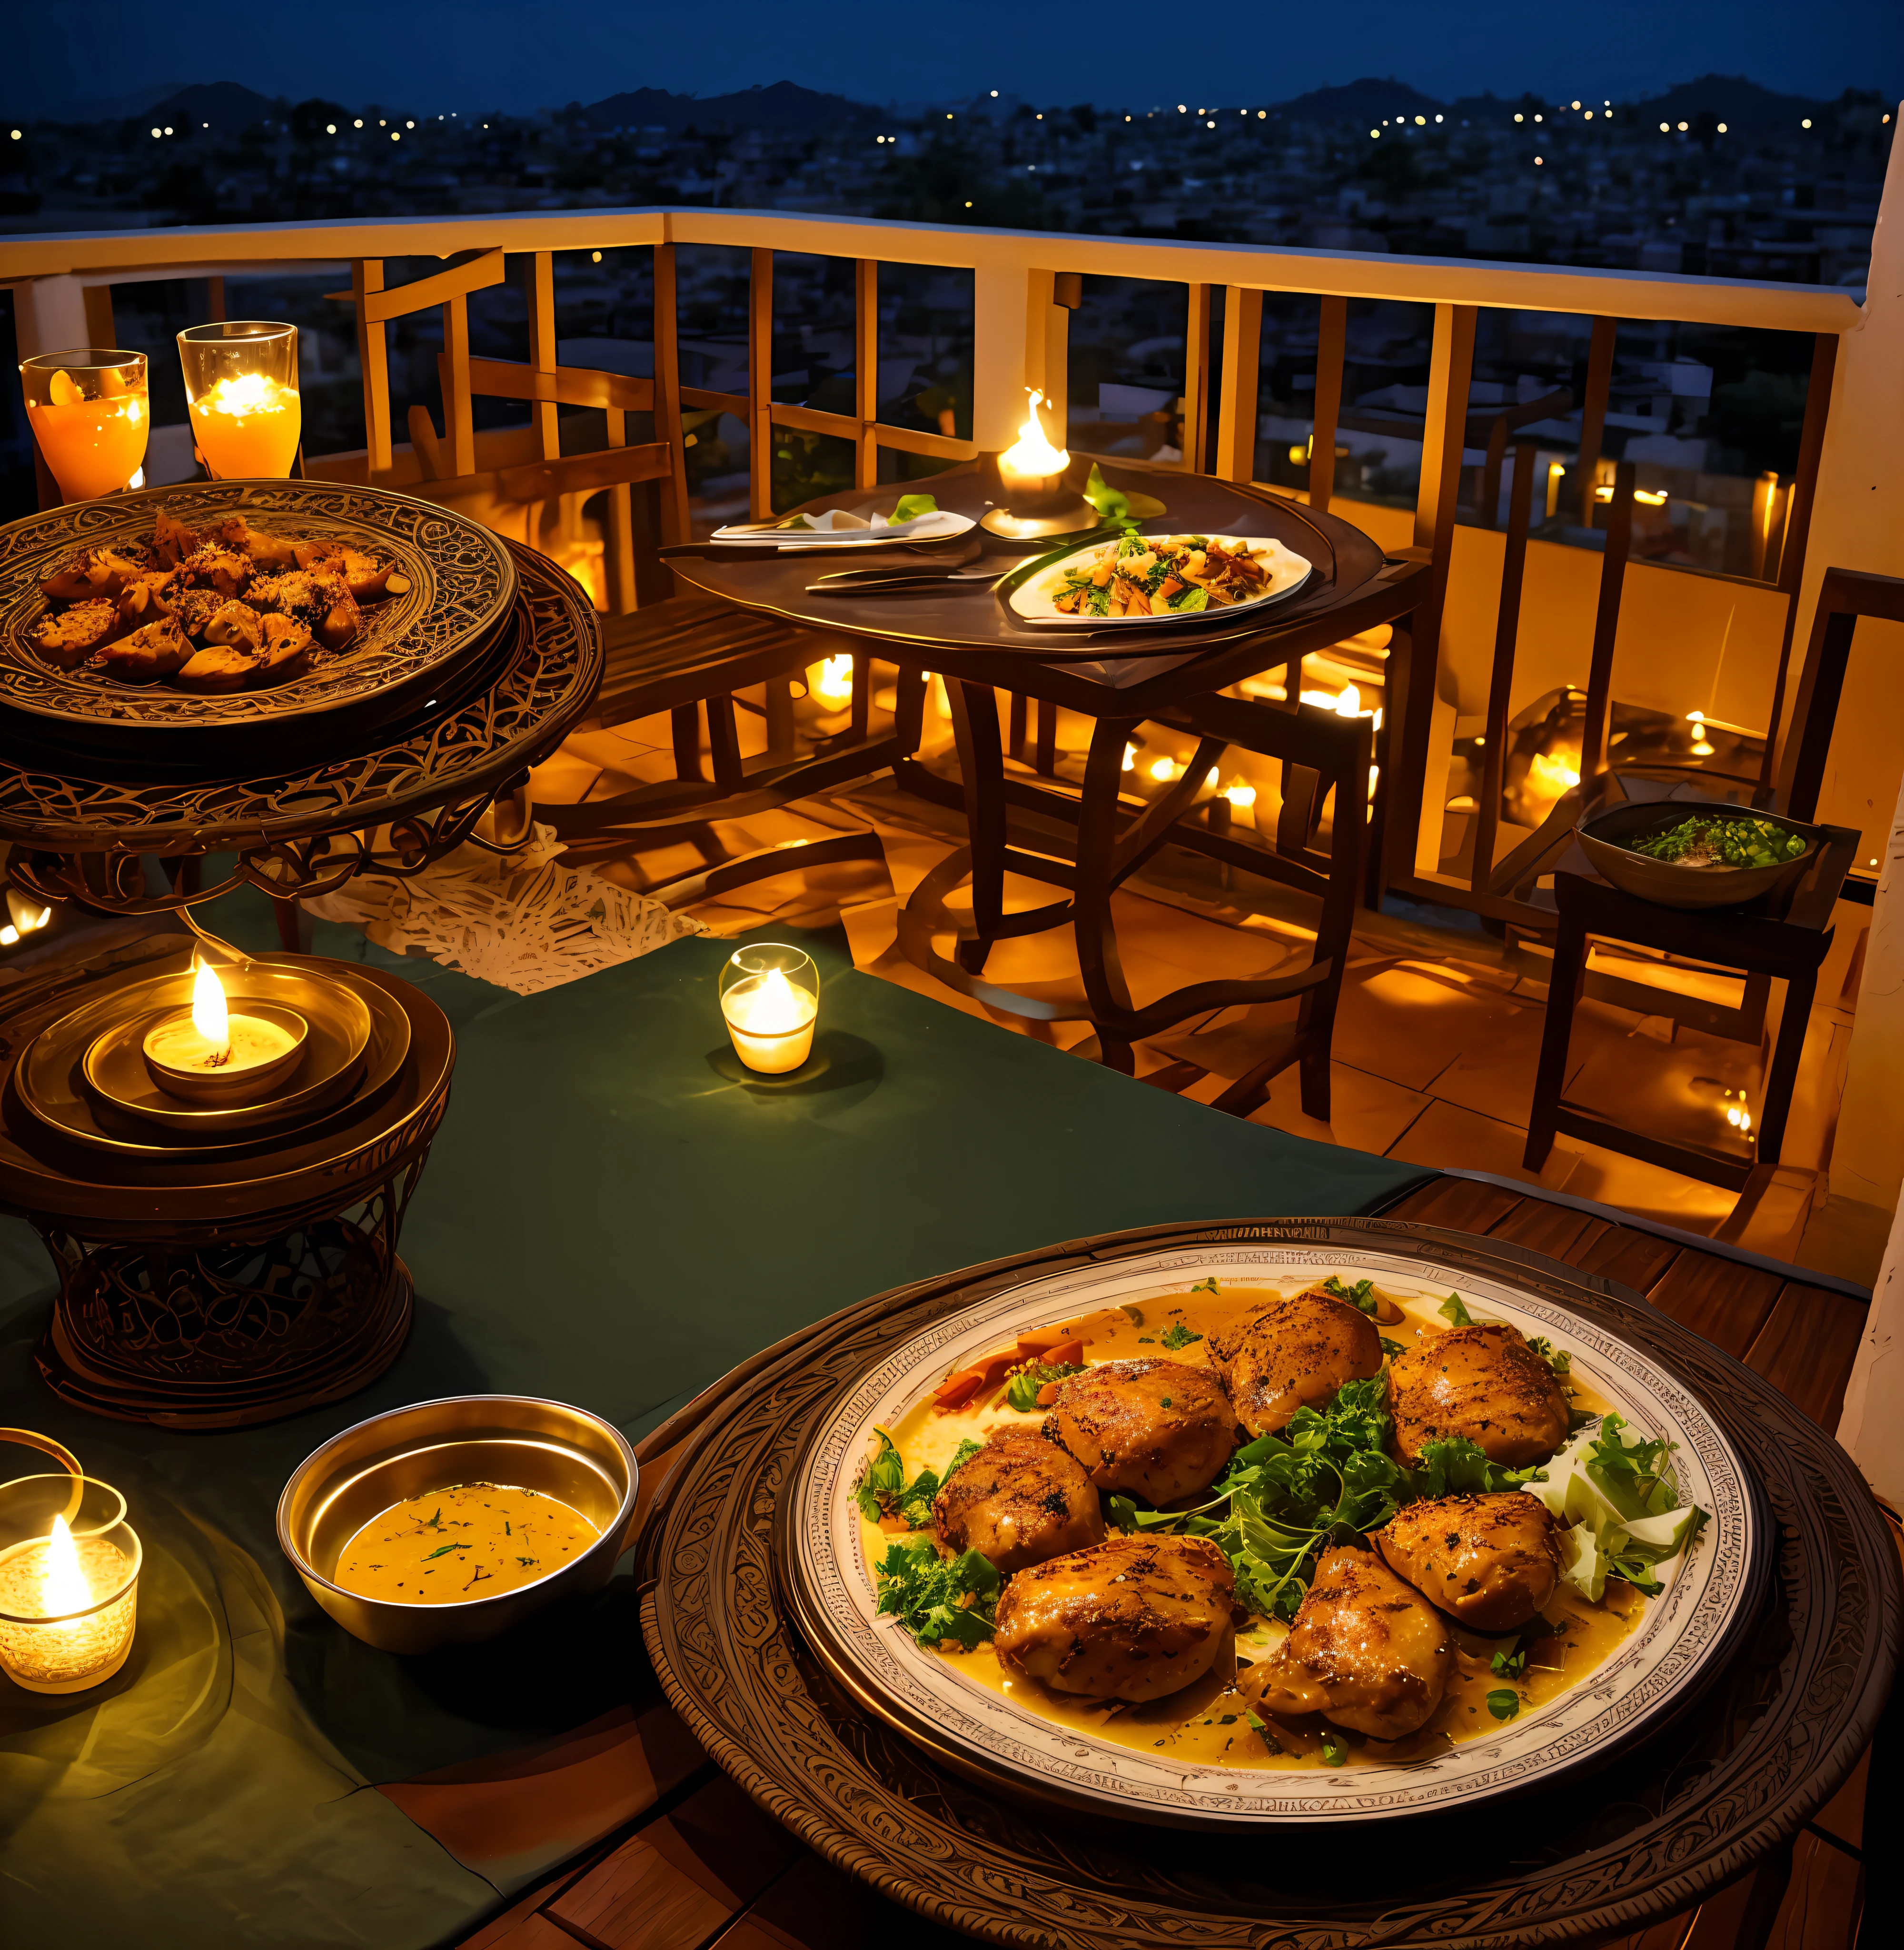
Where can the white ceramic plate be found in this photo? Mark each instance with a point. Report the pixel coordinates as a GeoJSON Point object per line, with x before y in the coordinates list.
{"type": "Point", "coordinates": [1657, 1667]}
{"type": "Point", "coordinates": [1031, 600]}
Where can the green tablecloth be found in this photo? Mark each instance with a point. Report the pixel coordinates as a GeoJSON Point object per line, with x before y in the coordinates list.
{"type": "Point", "coordinates": [610, 1217]}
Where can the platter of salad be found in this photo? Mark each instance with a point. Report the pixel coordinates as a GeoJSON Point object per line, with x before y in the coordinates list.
{"type": "Point", "coordinates": [1152, 580]}
{"type": "Point", "coordinates": [1248, 1536]}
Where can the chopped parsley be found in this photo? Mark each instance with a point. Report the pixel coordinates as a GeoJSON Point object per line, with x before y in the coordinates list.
{"type": "Point", "coordinates": [1721, 839]}
{"type": "Point", "coordinates": [1206, 1285]}
{"type": "Point", "coordinates": [1022, 1394]}
{"type": "Point", "coordinates": [1453, 1313]}
{"type": "Point", "coordinates": [1178, 1335]}
{"type": "Point", "coordinates": [937, 1598]}
{"type": "Point", "coordinates": [1361, 1296]}
{"type": "Point", "coordinates": [883, 1490]}
{"type": "Point", "coordinates": [1504, 1703]}
{"type": "Point", "coordinates": [1335, 1749]}
{"type": "Point", "coordinates": [1558, 1359]}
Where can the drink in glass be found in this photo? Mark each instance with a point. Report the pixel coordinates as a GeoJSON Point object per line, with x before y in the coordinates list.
{"type": "Point", "coordinates": [88, 410]}
{"type": "Point", "coordinates": [242, 382]}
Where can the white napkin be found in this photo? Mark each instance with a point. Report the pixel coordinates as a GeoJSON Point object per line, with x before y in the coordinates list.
{"type": "Point", "coordinates": [820, 531]}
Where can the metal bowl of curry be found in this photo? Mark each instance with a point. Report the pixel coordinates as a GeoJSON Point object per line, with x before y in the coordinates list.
{"type": "Point", "coordinates": [449, 1523]}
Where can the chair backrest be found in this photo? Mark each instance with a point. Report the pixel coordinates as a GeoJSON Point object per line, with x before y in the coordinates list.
{"type": "Point", "coordinates": [512, 498]}
{"type": "Point", "coordinates": [1845, 595]}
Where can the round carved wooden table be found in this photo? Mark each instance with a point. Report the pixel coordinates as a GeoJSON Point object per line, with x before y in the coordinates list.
{"type": "Point", "coordinates": [298, 801]}
{"type": "Point", "coordinates": [209, 1287]}
{"type": "Point", "coordinates": [1656, 1830]}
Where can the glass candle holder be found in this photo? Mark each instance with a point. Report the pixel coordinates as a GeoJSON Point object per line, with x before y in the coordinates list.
{"type": "Point", "coordinates": [69, 1583]}
{"type": "Point", "coordinates": [88, 410]}
{"type": "Point", "coordinates": [770, 995]}
{"type": "Point", "coordinates": [241, 385]}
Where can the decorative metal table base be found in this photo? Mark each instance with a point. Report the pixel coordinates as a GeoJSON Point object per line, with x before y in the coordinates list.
{"type": "Point", "coordinates": [212, 1285]}
{"type": "Point", "coordinates": [228, 1334]}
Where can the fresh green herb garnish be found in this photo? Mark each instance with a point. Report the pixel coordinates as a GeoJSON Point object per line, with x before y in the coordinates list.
{"type": "Point", "coordinates": [1504, 1703]}
{"type": "Point", "coordinates": [1452, 1466]}
{"type": "Point", "coordinates": [1361, 1296]}
{"type": "Point", "coordinates": [443, 1549]}
{"type": "Point", "coordinates": [911, 507]}
{"type": "Point", "coordinates": [1391, 1348]}
{"type": "Point", "coordinates": [1178, 1335]}
{"type": "Point", "coordinates": [1206, 1285]}
{"type": "Point", "coordinates": [1508, 1665]}
{"type": "Point", "coordinates": [525, 1560]}
{"type": "Point", "coordinates": [1335, 1749]}
{"type": "Point", "coordinates": [1025, 1382]}
{"type": "Point", "coordinates": [937, 1598]}
{"type": "Point", "coordinates": [1113, 505]}
{"type": "Point", "coordinates": [1721, 839]}
{"type": "Point", "coordinates": [1453, 1313]}
{"type": "Point", "coordinates": [1558, 1359]}
{"type": "Point", "coordinates": [883, 1490]}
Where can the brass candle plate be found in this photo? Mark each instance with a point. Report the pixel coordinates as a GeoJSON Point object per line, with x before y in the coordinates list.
{"type": "Point", "coordinates": [85, 1078]}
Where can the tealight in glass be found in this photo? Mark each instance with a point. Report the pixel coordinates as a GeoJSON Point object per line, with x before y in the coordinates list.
{"type": "Point", "coordinates": [241, 385]}
{"type": "Point", "coordinates": [69, 1583]}
{"type": "Point", "coordinates": [770, 995]}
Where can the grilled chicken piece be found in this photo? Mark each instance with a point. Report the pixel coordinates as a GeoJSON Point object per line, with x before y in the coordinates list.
{"type": "Point", "coordinates": [1366, 1651]}
{"type": "Point", "coordinates": [1156, 1430]}
{"type": "Point", "coordinates": [1296, 1355]}
{"type": "Point", "coordinates": [145, 599]}
{"type": "Point", "coordinates": [268, 552]}
{"type": "Point", "coordinates": [315, 596]}
{"type": "Point", "coordinates": [1133, 1618]}
{"type": "Point", "coordinates": [1492, 1561]}
{"type": "Point", "coordinates": [1484, 1382]}
{"type": "Point", "coordinates": [72, 636]}
{"type": "Point", "coordinates": [172, 540]}
{"type": "Point", "coordinates": [157, 650]}
{"type": "Point", "coordinates": [194, 608]}
{"type": "Point", "coordinates": [221, 667]}
{"type": "Point", "coordinates": [92, 573]}
{"type": "Point", "coordinates": [237, 625]}
{"type": "Point", "coordinates": [286, 651]}
{"type": "Point", "coordinates": [362, 574]}
{"type": "Point", "coordinates": [341, 622]}
{"type": "Point", "coordinates": [1020, 1500]}
{"type": "Point", "coordinates": [212, 567]}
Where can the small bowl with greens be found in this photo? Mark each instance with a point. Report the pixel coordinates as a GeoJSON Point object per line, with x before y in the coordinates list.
{"type": "Point", "coordinates": [1678, 853]}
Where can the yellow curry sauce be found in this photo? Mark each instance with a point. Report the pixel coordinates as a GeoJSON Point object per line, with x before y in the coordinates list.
{"type": "Point", "coordinates": [472, 1540]}
{"type": "Point", "coordinates": [1207, 1723]}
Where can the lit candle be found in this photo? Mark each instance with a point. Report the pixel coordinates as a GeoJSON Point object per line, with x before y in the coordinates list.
{"type": "Point", "coordinates": [52, 1638]}
{"type": "Point", "coordinates": [830, 681]}
{"type": "Point", "coordinates": [241, 385]}
{"type": "Point", "coordinates": [1032, 469]}
{"type": "Point", "coordinates": [770, 995]}
{"type": "Point", "coordinates": [248, 427]}
{"type": "Point", "coordinates": [208, 1044]}
{"type": "Point", "coordinates": [87, 410]}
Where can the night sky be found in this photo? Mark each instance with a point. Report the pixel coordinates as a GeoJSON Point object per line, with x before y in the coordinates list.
{"type": "Point", "coordinates": [428, 56]}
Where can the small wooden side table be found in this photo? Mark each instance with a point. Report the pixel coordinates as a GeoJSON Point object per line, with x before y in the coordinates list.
{"type": "Point", "coordinates": [1789, 947]}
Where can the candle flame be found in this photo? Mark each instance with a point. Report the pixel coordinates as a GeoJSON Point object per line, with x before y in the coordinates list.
{"type": "Point", "coordinates": [1349, 704]}
{"type": "Point", "coordinates": [209, 1015]}
{"type": "Point", "coordinates": [63, 1586]}
{"type": "Point", "coordinates": [830, 681]}
{"type": "Point", "coordinates": [1032, 456]}
{"type": "Point", "coordinates": [249, 393]}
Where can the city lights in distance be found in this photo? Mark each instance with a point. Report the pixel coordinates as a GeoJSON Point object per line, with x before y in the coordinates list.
{"type": "Point", "coordinates": [1805, 124]}
{"type": "Point", "coordinates": [16, 134]}
{"type": "Point", "coordinates": [994, 96]}
{"type": "Point", "coordinates": [1682, 127]}
{"type": "Point", "coordinates": [396, 134]}
{"type": "Point", "coordinates": [595, 256]}
{"type": "Point", "coordinates": [330, 128]}
{"type": "Point", "coordinates": [1574, 104]}
{"type": "Point", "coordinates": [1421, 121]}
{"type": "Point", "coordinates": [1377, 133]}
{"type": "Point", "coordinates": [1539, 161]}
{"type": "Point", "coordinates": [1521, 118]}
{"type": "Point", "coordinates": [1665, 130]}
{"type": "Point", "coordinates": [359, 123]}
{"type": "Point", "coordinates": [1721, 128]}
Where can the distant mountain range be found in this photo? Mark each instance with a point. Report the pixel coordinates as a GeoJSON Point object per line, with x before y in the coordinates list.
{"type": "Point", "coordinates": [1743, 105]}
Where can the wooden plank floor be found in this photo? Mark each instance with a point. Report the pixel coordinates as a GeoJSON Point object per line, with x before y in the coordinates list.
{"type": "Point", "coordinates": [700, 1868]}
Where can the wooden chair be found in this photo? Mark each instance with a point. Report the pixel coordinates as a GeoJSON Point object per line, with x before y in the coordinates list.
{"type": "Point", "coordinates": [686, 656]}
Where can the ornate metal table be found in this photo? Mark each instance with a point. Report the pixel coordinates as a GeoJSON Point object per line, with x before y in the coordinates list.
{"type": "Point", "coordinates": [300, 802]}
{"type": "Point", "coordinates": [1119, 678]}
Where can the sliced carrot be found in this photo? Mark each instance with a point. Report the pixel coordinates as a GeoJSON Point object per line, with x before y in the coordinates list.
{"type": "Point", "coordinates": [956, 1390]}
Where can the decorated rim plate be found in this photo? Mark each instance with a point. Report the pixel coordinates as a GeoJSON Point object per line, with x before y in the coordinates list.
{"type": "Point", "coordinates": [951, 1703]}
{"type": "Point", "coordinates": [461, 577]}
{"type": "Point", "coordinates": [1031, 594]}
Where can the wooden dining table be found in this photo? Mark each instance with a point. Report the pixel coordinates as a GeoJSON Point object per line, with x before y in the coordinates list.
{"type": "Point", "coordinates": [1117, 675]}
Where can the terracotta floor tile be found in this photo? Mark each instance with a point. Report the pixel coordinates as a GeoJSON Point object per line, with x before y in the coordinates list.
{"type": "Point", "coordinates": [1400, 1024]}
{"type": "Point", "coordinates": [1445, 1135]}
{"type": "Point", "coordinates": [1649, 1190]}
{"type": "Point", "coordinates": [1367, 1113]}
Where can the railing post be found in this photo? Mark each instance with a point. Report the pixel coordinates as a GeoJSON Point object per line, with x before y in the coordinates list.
{"type": "Point", "coordinates": [542, 346]}
{"type": "Point", "coordinates": [1243, 351]}
{"type": "Point", "coordinates": [1001, 307]}
{"type": "Point", "coordinates": [675, 521]}
{"type": "Point", "coordinates": [1331, 357]}
{"type": "Point", "coordinates": [1196, 380]}
{"type": "Point", "coordinates": [49, 315]}
{"type": "Point", "coordinates": [865, 370]}
{"type": "Point", "coordinates": [759, 384]}
{"type": "Point", "coordinates": [1452, 363]}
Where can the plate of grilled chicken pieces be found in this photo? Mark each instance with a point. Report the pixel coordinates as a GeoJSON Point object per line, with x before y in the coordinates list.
{"type": "Point", "coordinates": [1251, 1536]}
{"type": "Point", "coordinates": [238, 603]}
